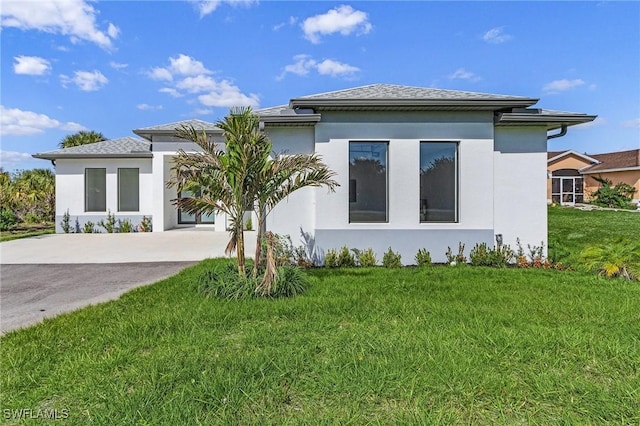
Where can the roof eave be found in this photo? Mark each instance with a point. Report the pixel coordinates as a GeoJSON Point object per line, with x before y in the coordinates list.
{"type": "Point", "coordinates": [45, 156]}
{"type": "Point", "coordinates": [299, 120]}
{"type": "Point", "coordinates": [552, 121]}
{"type": "Point", "coordinates": [617, 169]}
{"type": "Point", "coordinates": [493, 104]}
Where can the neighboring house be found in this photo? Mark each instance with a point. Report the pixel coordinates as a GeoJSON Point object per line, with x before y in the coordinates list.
{"type": "Point", "coordinates": [417, 167]}
{"type": "Point", "coordinates": [570, 174]}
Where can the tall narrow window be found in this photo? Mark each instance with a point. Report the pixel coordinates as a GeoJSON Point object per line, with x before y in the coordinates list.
{"type": "Point", "coordinates": [368, 182]}
{"type": "Point", "coordinates": [438, 182]}
{"type": "Point", "coordinates": [95, 190]}
{"type": "Point", "coordinates": [128, 190]}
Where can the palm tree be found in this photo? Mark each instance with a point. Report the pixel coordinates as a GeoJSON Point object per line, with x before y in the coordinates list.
{"type": "Point", "coordinates": [82, 137]}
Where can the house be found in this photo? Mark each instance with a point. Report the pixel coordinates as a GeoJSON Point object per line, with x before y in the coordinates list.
{"type": "Point", "coordinates": [570, 174]}
{"type": "Point", "coordinates": [417, 167]}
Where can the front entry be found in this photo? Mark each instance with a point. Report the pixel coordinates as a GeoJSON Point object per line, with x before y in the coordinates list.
{"type": "Point", "coordinates": [185, 218]}
{"type": "Point", "coordinates": [567, 187]}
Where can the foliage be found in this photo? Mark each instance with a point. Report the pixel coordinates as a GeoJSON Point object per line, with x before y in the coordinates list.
{"type": "Point", "coordinates": [483, 255]}
{"type": "Point", "coordinates": [618, 196]}
{"type": "Point", "coordinates": [620, 258]}
{"type": "Point", "coordinates": [83, 137]}
{"type": "Point", "coordinates": [110, 224]}
{"type": "Point", "coordinates": [535, 257]}
{"type": "Point", "coordinates": [145, 224]}
{"type": "Point", "coordinates": [65, 224]}
{"type": "Point", "coordinates": [29, 195]}
{"type": "Point", "coordinates": [89, 228]}
{"type": "Point", "coordinates": [365, 258]}
{"type": "Point", "coordinates": [245, 176]}
{"type": "Point", "coordinates": [7, 219]}
{"type": "Point", "coordinates": [345, 258]}
{"type": "Point", "coordinates": [391, 259]}
{"type": "Point", "coordinates": [126, 226]}
{"type": "Point", "coordinates": [248, 225]}
{"type": "Point", "coordinates": [423, 258]}
{"type": "Point", "coordinates": [456, 259]}
{"type": "Point", "coordinates": [331, 258]}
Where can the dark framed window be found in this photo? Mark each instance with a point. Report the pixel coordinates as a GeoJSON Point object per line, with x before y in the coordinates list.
{"type": "Point", "coordinates": [128, 189]}
{"type": "Point", "coordinates": [368, 182]}
{"type": "Point", "coordinates": [438, 181]}
{"type": "Point", "coordinates": [194, 218]}
{"type": "Point", "coordinates": [95, 190]}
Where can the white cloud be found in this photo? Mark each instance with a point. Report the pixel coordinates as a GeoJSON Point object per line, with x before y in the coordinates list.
{"type": "Point", "coordinates": [197, 84]}
{"type": "Point", "coordinates": [203, 111]}
{"type": "Point", "coordinates": [113, 31]}
{"type": "Point", "coordinates": [335, 68]}
{"type": "Point", "coordinates": [226, 94]}
{"type": "Point", "coordinates": [303, 64]}
{"type": "Point", "coordinates": [635, 123]}
{"type": "Point", "coordinates": [147, 107]}
{"type": "Point", "coordinates": [563, 85]}
{"type": "Point", "coordinates": [31, 65]}
{"type": "Point", "coordinates": [17, 122]}
{"type": "Point", "coordinates": [462, 74]}
{"type": "Point", "coordinates": [206, 7]}
{"type": "Point", "coordinates": [73, 18]}
{"type": "Point", "coordinates": [182, 65]}
{"type": "Point", "coordinates": [160, 74]}
{"type": "Point", "coordinates": [87, 81]}
{"type": "Point", "coordinates": [170, 91]}
{"type": "Point", "coordinates": [9, 159]}
{"type": "Point", "coordinates": [292, 21]}
{"type": "Point", "coordinates": [496, 36]}
{"type": "Point", "coordinates": [342, 19]}
{"type": "Point", "coordinates": [117, 66]}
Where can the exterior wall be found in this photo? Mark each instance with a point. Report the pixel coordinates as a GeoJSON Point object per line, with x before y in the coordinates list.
{"type": "Point", "coordinates": [520, 160]}
{"type": "Point", "coordinates": [631, 177]}
{"type": "Point", "coordinates": [70, 190]}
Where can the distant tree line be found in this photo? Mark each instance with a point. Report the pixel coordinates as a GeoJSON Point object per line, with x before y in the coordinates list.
{"type": "Point", "coordinates": [27, 196]}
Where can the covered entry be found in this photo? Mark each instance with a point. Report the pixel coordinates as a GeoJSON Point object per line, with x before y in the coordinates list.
{"type": "Point", "coordinates": [567, 187]}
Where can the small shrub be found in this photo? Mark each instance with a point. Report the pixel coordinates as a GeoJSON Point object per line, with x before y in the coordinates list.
{"type": "Point", "coordinates": [456, 259]}
{"type": "Point", "coordinates": [32, 218]}
{"type": "Point", "coordinates": [423, 258]}
{"type": "Point", "coordinates": [365, 258]}
{"type": "Point", "coordinates": [620, 258]}
{"type": "Point", "coordinates": [145, 225]}
{"type": "Point", "coordinates": [301, 257]}
{"type": "Point", "coordinates": [290, 281]}
{"type": "Point", "coordinates": [223, 282]}
{"type": "Point", "coordinates": [391, 259]}
{"type": "Point", "coordinates": [125, 226]}
{"type": "Point", "coordinates": [248, 225]}
{"type": "Point", "coordinates": [618, 196]}
{"type": "Point", "coordinates": [89, 228]}
{"type": "Point", "coordinates": [483, 255]}
{"type": "Point", "coordinates": [331, 258]}
{"type": "Point", "coordinates": [7, 219]}
{"type": "Point", "coordinates": [65, 224]}
{"type": "Point", "coordinates": [345, 258]}
{"type": "Point", "coordinates": [110, 224]}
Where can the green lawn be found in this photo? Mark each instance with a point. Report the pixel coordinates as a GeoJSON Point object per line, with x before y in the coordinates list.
{"type": "Point", "coordinates": [411, 346]}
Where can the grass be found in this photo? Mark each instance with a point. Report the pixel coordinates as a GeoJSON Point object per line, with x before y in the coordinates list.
{"type": "Point", "coordinates": [572, 230]}
{"type": "Point", "coordinates": [445, 345]}
{"type": "Point", "coordinates": [26, 231]}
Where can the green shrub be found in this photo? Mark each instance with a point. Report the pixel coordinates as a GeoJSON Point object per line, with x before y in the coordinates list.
{"type": "Point", "coordinates": [65, 224]}
{"type": "Point", "coordinates": [145, 225]}
{"type": "Point", "coordinates": [125, 226]}
{"type": "Point", "coordinates": [365, 258]}
{"type": "Point", "coordinates": [483, 255]}
{"type": "Point", "coordinates": [7, 219]}
{"type": "Point", "coordinates": [618, 196]}
{"type": "Point", "coordinates": [331, 258]}
{"type": "Point", "coordinates": [248, 225]}
{"type": "Point", "coordinates": [291, 281]}
{"type": "Point", "coordinates": [456, 259]}
{"type": "Point", "coordinates": [110, 224]}
{"type": "Point", "coordinates": [620, 258]}
{"type": "Point", "coordinates": [32, 218]}
{"type": "Point", "coordinates": [89, 228]}
{"type": "Point", "coordinates": [345, 258]}
{"type": "Point", "coordinates": [392, 259]}
{"type": "Point", "coordinates": [423, 258]}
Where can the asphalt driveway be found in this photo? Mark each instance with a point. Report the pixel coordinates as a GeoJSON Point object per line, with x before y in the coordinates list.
{"type": "Point", "coordinates": [47, 275]}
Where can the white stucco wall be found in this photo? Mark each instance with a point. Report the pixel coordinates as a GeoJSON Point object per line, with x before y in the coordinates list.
{"type": "Point", "coordinates": [520, 182]}
{"type": "Point", "coordinates": [70, 189]}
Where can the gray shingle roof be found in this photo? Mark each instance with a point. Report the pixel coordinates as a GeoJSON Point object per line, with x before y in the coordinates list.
{"type": "Point", "coordinates": [114, 148]}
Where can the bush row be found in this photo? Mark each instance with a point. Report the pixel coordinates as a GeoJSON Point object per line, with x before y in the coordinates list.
{"type": "Point", "coordinates": [110, 225]}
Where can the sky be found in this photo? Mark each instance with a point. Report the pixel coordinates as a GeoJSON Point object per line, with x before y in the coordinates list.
{"type": "Point", "coordinates": [114, 66]}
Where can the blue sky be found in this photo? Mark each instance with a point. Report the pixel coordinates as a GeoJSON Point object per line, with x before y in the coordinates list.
{"type": "Point", "coordinates": [115, 66]}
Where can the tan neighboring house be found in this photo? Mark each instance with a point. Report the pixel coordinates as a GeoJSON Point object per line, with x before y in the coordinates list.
{"type": "Point", "coordinates": [570, 174]}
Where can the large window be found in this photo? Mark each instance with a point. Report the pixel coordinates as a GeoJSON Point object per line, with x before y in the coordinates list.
{"type": "Point", "coordinates": [194, 218]}
{"type": "Point", "coordinates": [128, 190]}
{"type": "Point", "coordinates": [368, 182]}
{"type": "Point", "coordinates": [95, 190]}
{"type": "Point", "coordinates": [567, 187]}
{"type": "Point", "coordinates": [438, 182]}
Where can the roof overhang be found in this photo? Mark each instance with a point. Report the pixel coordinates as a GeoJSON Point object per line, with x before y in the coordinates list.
{"type": "Point", "coordinates": [409, 104]}
{"type": "Point", "coordinates": [148, 133]}
{"type": "Point", "coordinates": [53, 156]}
{"type": "Point", "coordinates": [619, 169]}
{"type": "Point", "coordinates": [537, 117]}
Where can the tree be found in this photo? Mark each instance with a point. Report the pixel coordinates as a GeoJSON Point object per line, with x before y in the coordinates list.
{"type": "Point", "coordinates": [618, 196]}
{"type": "Point", "coordinates": [28, 194]}
{"type": "Point", "coordinates": [82, 137]}
{"type": "Point", "coordinates": [246, 176]}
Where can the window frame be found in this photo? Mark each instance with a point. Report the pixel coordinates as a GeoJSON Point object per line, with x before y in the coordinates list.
{"type": "Point", "coordinates": [87, 195]}
{"type": "Point", "coordinates": [353, 188]}
{"type": "Point", "coordinates": [137, 209]}
{"type": "Point", "coordinates": [456, 183]}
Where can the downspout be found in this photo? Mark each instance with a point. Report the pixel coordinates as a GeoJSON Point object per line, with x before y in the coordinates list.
{"type": "Point", "coordinates": [563, 131]}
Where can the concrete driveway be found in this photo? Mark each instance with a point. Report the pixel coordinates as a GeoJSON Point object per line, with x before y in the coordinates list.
{"type": "Point", "coordinates": [44, 276]}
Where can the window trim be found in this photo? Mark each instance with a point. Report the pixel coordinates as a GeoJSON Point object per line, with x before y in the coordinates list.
{"type": "Point", "coordinates": [456, 184]}
{"type": "Point", "coordinates": [86, 189]}
{"type": "Point", "coordinates": [386, 142]}
{"type": "Point", "coordinates": [120, 192]}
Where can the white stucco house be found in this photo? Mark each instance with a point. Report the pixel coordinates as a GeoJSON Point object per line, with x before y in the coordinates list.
{"type": "Point", "coordinates": [417, 167]}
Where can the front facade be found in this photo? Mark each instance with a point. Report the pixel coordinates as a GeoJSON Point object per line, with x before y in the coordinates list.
{"type": "Point", "coordinates": [417, 168]}
{"type": "Point", "coordinates": [571, 174]}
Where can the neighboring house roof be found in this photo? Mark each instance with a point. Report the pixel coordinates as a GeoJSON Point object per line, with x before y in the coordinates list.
{"type": "Point", "coordinates": [127, 147]}
{"type": "Point", "coordinates": [557, 155]}
{"type": "Point", "coordinates": [614, 162]}
{"type": "Point", "coordinates": [169, 128]}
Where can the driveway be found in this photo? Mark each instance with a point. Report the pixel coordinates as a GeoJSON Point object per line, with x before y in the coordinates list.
{"type": "Point", "coordinates": [44, 276]}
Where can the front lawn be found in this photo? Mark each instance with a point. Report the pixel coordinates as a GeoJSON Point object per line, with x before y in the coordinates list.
{"type": "Point", "coordinates": [415, 346]}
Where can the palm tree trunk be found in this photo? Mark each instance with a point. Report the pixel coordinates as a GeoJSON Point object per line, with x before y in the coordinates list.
{"type": "Point", "coordinates": [240, 251]}
{"type": "Point", "coordinates": [258, 252]}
